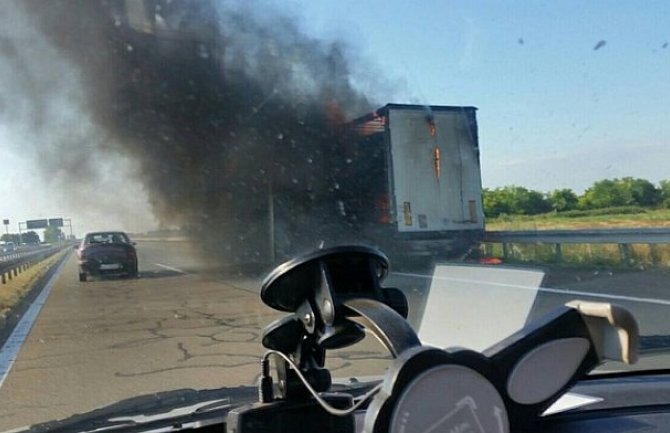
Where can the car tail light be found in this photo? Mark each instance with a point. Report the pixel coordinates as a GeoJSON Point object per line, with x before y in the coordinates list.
{"type": "Point", "coordinates": [383, 209]}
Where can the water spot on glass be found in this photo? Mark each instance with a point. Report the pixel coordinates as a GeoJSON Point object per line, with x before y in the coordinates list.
{"type": "Point", "coordinates": [203, 53]}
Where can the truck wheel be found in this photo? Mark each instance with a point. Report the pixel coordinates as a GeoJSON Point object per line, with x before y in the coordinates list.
{"type": "Point", "coordinates": [82, 277]}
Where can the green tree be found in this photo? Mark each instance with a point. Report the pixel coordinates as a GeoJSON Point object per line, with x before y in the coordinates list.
{"type": "Point", "coordinates": [10, 237]}
{"type": "Point", "coordinates": [495, 203]}
{"type": "Point", "coordinates": [530, 202]}
{"type": "Point", "coordinates": [31, 237]}
{"type": "Point", "coordinates": [562, 199]}
{"type": "Point", "coordinates": [628, 191]}
{"type": "Point", "coordinates": [664, 188]}
{"type": "Point", "coordinates": [515, 200]}
{"type": "Point", "coordinates": [52, 234]}
{"type": "Point", "coordinates": [642, 192]}
{"type": "Point", "coordinates": [606, 193]}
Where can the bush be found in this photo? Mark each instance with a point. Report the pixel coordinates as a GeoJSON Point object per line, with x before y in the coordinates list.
{"type": "Point", "coordinates": [617, 210]}
{"type": "Point", "coordinates": [514, 200]}
{"type": "Point", "coordinates": [621, 192]}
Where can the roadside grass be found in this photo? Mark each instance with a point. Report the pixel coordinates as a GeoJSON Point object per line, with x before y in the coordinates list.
{"type": "Point", "coordinates": [599, 255]}
{"type": "Point", "coordinates": [15, 289]}
{"type": "Point", "coordinates": [640, 256]}
{"type": "Point", "coordinates": [600, 219]}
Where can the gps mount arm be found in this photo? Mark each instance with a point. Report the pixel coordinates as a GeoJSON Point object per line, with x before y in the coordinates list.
{"type": "Point", "coordinates": [328, 292]}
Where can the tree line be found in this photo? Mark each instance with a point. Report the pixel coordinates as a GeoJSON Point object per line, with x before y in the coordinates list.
{"type": "Point", "coordinates": [51, 235]}
{"type": "Point", "coordinates": [606, 193]}
{"type": "Point", "coordinates": [30, 237]}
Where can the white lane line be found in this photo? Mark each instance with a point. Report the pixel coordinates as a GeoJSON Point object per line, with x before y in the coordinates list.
{"type": "Point", "coordinates": [656, 301]}
{"type": "Point", "coordinates": [9, 352]}
{"type": "Point", "coordinates": [170, 268]}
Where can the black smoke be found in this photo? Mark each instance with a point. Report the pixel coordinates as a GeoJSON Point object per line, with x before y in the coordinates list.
{"type": "Point", "coordinates": [217, 106]}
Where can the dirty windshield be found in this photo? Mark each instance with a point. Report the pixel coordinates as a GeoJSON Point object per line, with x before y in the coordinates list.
{"type": "Point", "coordinates": [506, 157]}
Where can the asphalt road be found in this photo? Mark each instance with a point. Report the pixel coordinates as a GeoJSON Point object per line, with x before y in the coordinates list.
{"type": "Point", "coordinates": [177, 326]}
{"type": "Point", "coordinates": [180, 325]}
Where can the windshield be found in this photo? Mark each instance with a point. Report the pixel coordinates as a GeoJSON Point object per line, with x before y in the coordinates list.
{"type": "Point", "coordinates": [507, 157]}
{"type": "Point", "coordinates": [106, 238]}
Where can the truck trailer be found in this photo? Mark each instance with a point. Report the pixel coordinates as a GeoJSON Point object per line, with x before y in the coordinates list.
{"type": "Point", "coordinates": [407, 180]}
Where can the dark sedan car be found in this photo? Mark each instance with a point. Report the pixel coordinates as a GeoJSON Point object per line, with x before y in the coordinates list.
{"type": "Point", "coordinates": [107, 253]}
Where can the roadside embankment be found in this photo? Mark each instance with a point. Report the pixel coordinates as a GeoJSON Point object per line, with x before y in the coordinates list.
{"type": "Point", "coordinates": [19, 286]}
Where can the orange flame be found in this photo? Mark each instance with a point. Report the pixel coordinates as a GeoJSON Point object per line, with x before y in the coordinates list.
{"type": "Point", "coordinates": [431, 125]}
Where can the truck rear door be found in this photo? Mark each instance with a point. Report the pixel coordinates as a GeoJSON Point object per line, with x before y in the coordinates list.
{"type": "Point", "coordinates": [435, 174]}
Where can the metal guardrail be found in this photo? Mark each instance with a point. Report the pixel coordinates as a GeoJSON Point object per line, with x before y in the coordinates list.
{"type": "Point", "coordinates": [21, 251]}
{"type": "Point", "coordinates": [603, 236]}
{"type": "Point", "coordinates": [13, 264]}
{"type": "Point", "coordinates": [623, 238]}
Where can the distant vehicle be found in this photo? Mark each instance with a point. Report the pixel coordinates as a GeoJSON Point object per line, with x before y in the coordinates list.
{"type": "Point", "coordinates": [107, 253]}
{"type": "Point", "coordinates": [8, 247]}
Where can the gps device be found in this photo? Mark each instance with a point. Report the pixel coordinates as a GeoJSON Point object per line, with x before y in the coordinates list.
{"type": "Point", "coordinates": [335, 296]}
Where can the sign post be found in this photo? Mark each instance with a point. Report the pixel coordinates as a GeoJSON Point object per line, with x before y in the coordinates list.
{"type": "Point", "coordinates": [20, 233]}
{"type": "Point", "coordinates": [69, 221]}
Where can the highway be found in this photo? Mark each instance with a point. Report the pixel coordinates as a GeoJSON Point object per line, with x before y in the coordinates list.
{"type": "Point", "coordinates": [177, 326]}
{"type": "Point", "coordinates": [181, 325]}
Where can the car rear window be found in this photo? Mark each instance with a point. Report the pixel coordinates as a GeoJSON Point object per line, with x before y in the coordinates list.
{"type": "Point", "coordinates": [107, 238]}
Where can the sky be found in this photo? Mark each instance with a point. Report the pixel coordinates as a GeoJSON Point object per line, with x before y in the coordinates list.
{"type": "Point", "coordinates": [568, 92]}
{"type": "Point", "coordinates": [553, 110]}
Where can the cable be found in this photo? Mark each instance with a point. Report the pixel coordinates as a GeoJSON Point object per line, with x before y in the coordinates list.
{"type": "Point", "coordinates": [324, 404]}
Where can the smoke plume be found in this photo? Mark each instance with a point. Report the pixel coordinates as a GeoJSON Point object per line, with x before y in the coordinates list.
{"type": "Point", "coordinates": [214, 106]}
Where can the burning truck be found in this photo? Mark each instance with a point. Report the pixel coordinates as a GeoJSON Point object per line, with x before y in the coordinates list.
{"type": "Point", "coordinates": [405, 178]}
{"type": "Point", "coordinates": [242, 135]}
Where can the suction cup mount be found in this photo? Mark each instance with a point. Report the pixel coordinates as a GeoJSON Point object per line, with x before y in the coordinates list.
{"type": "Point", "coordinates": [328, 293]}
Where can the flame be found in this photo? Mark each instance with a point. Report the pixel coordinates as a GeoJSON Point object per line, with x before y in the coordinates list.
{"type": "Point", "coordinates": [431, 125]}
{"type": "Point", "coordinates": [376, 124]}
{"type": "Point", "coordinates": [436, 158]}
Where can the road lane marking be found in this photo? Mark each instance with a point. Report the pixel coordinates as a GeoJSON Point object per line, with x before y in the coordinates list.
{"type": "Point", "coordinates": [170, 268]}
{"type": "Point", "coordinates": [656, 301]}
{"type": "Point", "coordinates": [9, 352]}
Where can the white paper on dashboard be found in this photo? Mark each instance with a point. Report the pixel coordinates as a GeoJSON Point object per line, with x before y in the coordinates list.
{"type": "Point", "coordinates": [476, 306]}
